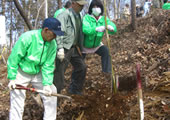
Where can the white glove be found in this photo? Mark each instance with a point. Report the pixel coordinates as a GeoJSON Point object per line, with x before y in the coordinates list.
{"type": "Point", "coordinates": [12, 85]}
{"type": "Point", "coordinates": [109, 27]}
{"type": "Point", "coordinates": [100, 29]}
{"type": "Point", "coordinates": [47, 90]}
{"type": "Point", "coordinates": [60, 54]}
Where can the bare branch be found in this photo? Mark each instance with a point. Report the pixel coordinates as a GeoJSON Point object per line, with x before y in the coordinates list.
{"type": "Point", "coordinates": [22, 13]}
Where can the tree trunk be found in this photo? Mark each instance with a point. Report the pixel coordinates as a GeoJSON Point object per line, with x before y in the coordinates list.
{"type": "Point", "coordinates": [133, 14]}
{"type": "Point", "coordinates": [29, 9]}
{"type": "Point", "coordinates": [22, 13]}
{"type": "Point", "coordinates": [25, 8]}
{"type": "Point", "coordinates": [11, 27]}
{"type": "Point", "coordinates": [59, 4]}
{"type": "Point", "coordinates": [118, 9]}
{"type": "Point", "coordinates": [115, 10]}
{"type": "Point", "coordinates": [108, 3]}
{"type": "Point", "coordinates": [3, 7]}
{"type": "Point", "coordinates": [158, 3]}
{"type": "Point", "coordinates": [46, 8]}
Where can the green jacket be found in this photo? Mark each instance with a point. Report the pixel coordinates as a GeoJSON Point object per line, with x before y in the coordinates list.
{"type": "Point", "coordinates": [92, 38]}
{"type": "Point", "coordinates": [58, 12]}
{"type": "Point", "coordinates": [68, 25]}
{"type": "Point", "coordinates": [166, 6]}
{"type": "Point", "coordinates": [33, 55]}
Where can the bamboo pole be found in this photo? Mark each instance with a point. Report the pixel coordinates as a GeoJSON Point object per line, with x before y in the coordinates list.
{"type": "Point", "coordinates": [2, 52]}
{"type": "Point", "coordinates": [113, 81]}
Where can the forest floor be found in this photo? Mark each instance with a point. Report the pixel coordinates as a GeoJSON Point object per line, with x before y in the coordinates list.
{"type": "Point", "coordinates": [148, 45]}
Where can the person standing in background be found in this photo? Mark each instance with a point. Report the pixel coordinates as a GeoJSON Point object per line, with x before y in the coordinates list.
{"type": "Point", "coordinates": [69, 49]}
{"type": "Point", "coordinates": [126, 12]}
{"type": "Point", "coordinates": [139, 11]}
{"type": "Point", "coordinates": [146, 7]}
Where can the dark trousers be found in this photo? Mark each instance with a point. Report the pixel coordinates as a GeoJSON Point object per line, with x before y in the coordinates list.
{"type": "Point", "coordinates": [103, 51]}
{"type": "Point", "coordinates": [78, 73]}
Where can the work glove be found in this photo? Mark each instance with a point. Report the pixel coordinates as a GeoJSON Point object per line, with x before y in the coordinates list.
{"type": "Point", "coordinates": [12, 85]}
{"type": "Point", "coordinates": [100, 29]}
{"type": "Point", "coordinates": [60, 54]}
{"type": "Point", "coordinates": [109, 27]}
{"type": "Point", "coordinates": [47, 90]}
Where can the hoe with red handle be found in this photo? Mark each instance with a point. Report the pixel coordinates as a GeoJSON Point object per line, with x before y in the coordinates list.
{"type": "Point", "coordinates": [41, 91]}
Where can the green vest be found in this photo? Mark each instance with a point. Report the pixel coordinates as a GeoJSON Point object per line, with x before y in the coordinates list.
{"type": "Point", "coordinates": [33, 55]}
{"type": "Point", "coordinates": [166, 6]}
{"type": "Point", "coordinates": [92, 38]}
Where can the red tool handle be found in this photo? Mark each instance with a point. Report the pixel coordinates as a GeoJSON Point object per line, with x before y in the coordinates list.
{"type": "Point", "coordinates": [41, 91]}
{"type": "Point", "coordinates": [25, 88]}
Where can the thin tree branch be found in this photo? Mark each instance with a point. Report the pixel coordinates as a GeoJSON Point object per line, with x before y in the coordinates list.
{"type": "Point", "coordinates": [38, 14]}
{"type": "Point", "coordinates": [22, 13]}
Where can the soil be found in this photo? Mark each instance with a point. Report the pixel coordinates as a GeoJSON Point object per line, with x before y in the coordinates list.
{"type": "Point", "coordinates": [148, 45]}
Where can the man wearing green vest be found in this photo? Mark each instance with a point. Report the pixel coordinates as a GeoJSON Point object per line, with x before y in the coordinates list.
{"type": "Point", "coordinates": [69, 49]}
{"type": "Point", "coordinates": [67, 6]}
{"type": "Point", "coordinates": [32, 62]}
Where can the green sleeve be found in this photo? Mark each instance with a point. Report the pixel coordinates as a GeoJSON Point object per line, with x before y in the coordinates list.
{"type": "Point", "coordinates": [49, 65]}
{"type": "Point", "coordinates": [17, 54]}
{"type": "Point", "coordinates": [63, 20]}
{"type": "Point", "coordinates": [88, 27]}
{"type": "Point", "coordinates": [58, 12]}
{"type": "Point", "coordinates": [166, 6]}
{"type": "Point", "coordinates": [113, 25]}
